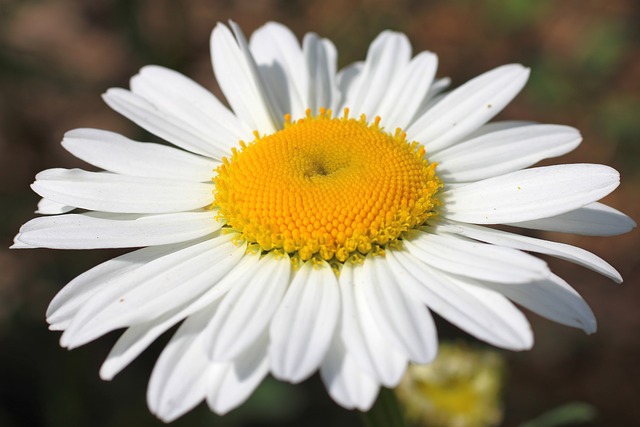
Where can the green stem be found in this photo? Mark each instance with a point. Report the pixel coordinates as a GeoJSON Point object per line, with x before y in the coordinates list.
{"type": "Point", "coordinates": [385, 411]}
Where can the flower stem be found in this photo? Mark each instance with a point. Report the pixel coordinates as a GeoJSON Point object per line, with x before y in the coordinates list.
{"type": "Point", "coordinates": [385, 411]}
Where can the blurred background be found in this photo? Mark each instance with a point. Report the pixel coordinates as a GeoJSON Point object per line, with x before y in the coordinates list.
{"type": "Point", "coordinates": [58, 56]}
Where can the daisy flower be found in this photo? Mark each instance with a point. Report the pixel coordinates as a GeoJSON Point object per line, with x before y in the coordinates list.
{"type": "Point", "coordinates": [316, 222]}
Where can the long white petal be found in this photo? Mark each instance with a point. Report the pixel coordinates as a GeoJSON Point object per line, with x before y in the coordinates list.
{"type": "Point", "coordinates": [504, 151]}
{"type": "Point", "coordinates": [49, 207]}
{"type": "Point", "coordinates": [84, 231]}
{"type": "Point", "coordinates": [553, 299]}
{"type": "Point", "coordinates": [153, 289]}
{"type": "Point", "coordinates": [345, 381]}
{"type": "Point", "coordinates": [107, 192]}
{"type": "Point", "coordinates": [405, 321]}
{"type": "Point", "coordinates": [282, 65]}
{"type": "Point", "coordinates": [179, 379]}
{"type": "Point", "coordinates": [484, 314]}
{"type": "Point", "coordinates": [388, 53]}
{"type": "Point", "coordinates": [239, 79]}
{"type": "Point", "coordinates": [115, 153]}
{"type": "Point", "coordinates": [594, 219]}
{"type": "Point", "coordinates": [138, 337]}
{"type": "Point", "coordinates": [474, 259]}
{"type": "Point", "coordinates": [525, 243]}
{"type": "Point", "coordinates": [529, 194]}
{"type": "Point", "coordinates": [245, 312]}
{"type": "Point", "coordinates": [368, 347]}
{"type": "Point", "coordinates": [406, 91]}
{"type": "Point", "coordinates": [160, 123]}
{"type": "Point", "coordinates": [468, 107]}
{"type": "Point", "coordinates": [321, 58]}
{"type": "Point", "coordinates": [76, 293]}
{"type": "Point", "coordinates": [181, 97]}
{"type": "Point", "coordinates": [302, 328]}
{"type": "Point", "coordinates": [242, 377]}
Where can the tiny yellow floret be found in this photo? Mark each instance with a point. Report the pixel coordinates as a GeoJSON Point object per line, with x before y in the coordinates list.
{"type": "Point", "coordinates": [326, 187]}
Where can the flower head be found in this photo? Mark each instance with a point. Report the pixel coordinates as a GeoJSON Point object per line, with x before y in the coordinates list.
{"type": "Point", "coordinates": [315, 223]}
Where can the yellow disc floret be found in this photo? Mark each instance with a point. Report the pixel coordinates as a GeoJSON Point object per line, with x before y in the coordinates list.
{"type": "Point", "coordinates": [326, 186]}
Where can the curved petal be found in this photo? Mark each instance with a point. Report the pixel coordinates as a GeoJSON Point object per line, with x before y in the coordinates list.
{"type": "Point", "coordinates": [85, 231]}
{"type": "Point", "coordinates": [345, 382]}
{"type": "Point", "coordinates": [180, 377]}
{"type": "Point", "coordinates": [468, 107]}
{"type": "Point", "coordinates": [504, 151]}
{"type": "Point", "coordinates": [530, 244]}
{"type": "Point", "coordinates": [49, 207]}
{"type": "Point", "coordinates": [388, 53]}
{"type": "Point", "coordinates": [107, 192]}
{"type": "Point", "coordinates": [321, 59]}
{"type": "Point", "coordinates": [406, 91]}
{"type": "Point", "coordinates": [302, 328]}
{"type": "Point", "coordinates": [406, 322]}
{"type": "Point", "coordinates": [366, 344]}
{"type": "Point", "coordinates": [473, 259]}
{"type": "Point", "coordinates": [153, 289]}
{"type": "Point", "coordinates": [553, 299]}
{"type": "Point", "coordinates": [594, 219]}
{"type": "Point", "coordinates": [138, 337]}
{"type": "Point", "coordinates": [247, 309]}
{"type": "Point", "coordinates": [160, 123]}
{"type": "Point", "coordinates": [181, 97]}
{"type": "Point", "coordinates": [529, 194]}
{"type": "Point", "coordinates": [239, 79]}
{"type": "Point", "coordinates": [236, 383]}
{"type": "Point", "coordinates": [282, 65]}
{"type": "Point", "coordinates": [115, 153]}
{"type": "Point", "coordinates": [482, 313]}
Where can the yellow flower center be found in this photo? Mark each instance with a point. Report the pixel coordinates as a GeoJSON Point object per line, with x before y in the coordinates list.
{"type": "Point", "coordinates": [333, 187]}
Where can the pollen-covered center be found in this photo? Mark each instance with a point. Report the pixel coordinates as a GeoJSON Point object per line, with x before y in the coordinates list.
{"type": "Point", "coordinates": [326, 186]}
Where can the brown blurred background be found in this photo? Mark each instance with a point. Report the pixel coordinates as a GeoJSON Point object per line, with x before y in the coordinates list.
{"type": "Point", "coordinates": [58, 56]}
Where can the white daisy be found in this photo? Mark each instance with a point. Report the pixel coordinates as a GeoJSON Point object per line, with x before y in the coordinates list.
{"type": "Point", "coordinates": [304, 228]}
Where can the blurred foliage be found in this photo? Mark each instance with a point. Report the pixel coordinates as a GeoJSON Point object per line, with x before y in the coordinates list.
{"type": "Point", "coordinates": [57, 56]}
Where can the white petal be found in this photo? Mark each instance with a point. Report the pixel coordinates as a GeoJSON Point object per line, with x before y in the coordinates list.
{"type": "Point", "coordinates": [242, 377]}
{"type": "Point", "coordinates": [76, 293]}
{"type": "Point", "coordinates": [181, 97]}
{"type": "Point", "coordinates": [321, 58]}
{"type": "Point", "coordinates": [434, 95]}
{"type": "Point", "coordinates": [85, 231]}
{"type": "Point", "coordinates": [474, 259]}
{"type": "Point", "coordinates": [138, 337]}
{"type": "Point", "coordinates": [239, 79]}
{"type": "Point", "coordinates": [347, 81]}
{"type": "Point", "coordinates": [160, 123]}
{"type": "Point", "coordinates": [468, 107]}
{"type": "Point", "coordinates": [530, 244]}
{"type": "Point", "coordinates": [303, 326]}
{"type": "Point", "coordinates": [115, 153]}
{"type": "Point", "coordinates": [594, 219]}
{"type": "Point", "coordinates": [484, 314]}
{"type": "Point", "coordinates": [498, 126]}
{"type": "Point", "coordinates": [109, 192]}
{"type": "Point", "coordinates": [388, 53]}
{"type": "Point", "coordinates": [179, 379]}
{"type": "Point", "coordinates": [346, 383]}
{"type": "Point", "coordinates": [363, 340]}
{"type": "Point", "coordinates": [405, 321]}
{"type": "Point", "coordinates": [245, 312]}
{"type": "Point", "coordinates": [504, 151]}
{"type": "Point", "coordinates": [553, 299]}
{"type": "Point", "coordinates": [49, 207]}
{"type": "Point", "coordinates": [529, 194]}
{"type": "Point", "coordinates": [153, 289]}
{"type": "Point", "coordinates": [282, 66]}
{"type": "Point", "coordinates": [406, 91]}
